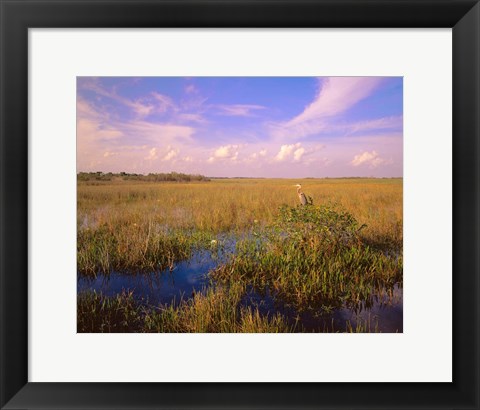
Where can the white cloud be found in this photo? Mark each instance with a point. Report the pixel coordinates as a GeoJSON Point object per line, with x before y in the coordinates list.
{"type": "Point", "coordinates": [336, 95]}
{"type": "Point", "coordinates": [256, 157]}
{"type": "Point", "coordinates": [297, 152]}
{"type": "Point", "coordinates": [286, 151]}
{"type": "Point", "coordinates": [297, 155]}
{"type": "Point", "coordinates": [170, 155]}
{"type": "Point", "coordinates": [239, 110]}
{"type": "Point", "coordinates": [225, 152]}
{"type": "Point", "coordinates": [372, 159]}
{"type": "Point", "coordinates": [152, 155]}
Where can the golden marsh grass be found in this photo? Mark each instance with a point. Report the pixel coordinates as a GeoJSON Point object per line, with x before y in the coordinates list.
{"type": "Point", "coordinates": [234, 204]}
{"type": "Point", "coordinates": [133, 226]}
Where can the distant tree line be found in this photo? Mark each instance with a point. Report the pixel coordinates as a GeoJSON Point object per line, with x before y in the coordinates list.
{"type": "Point", "coordinates": [163, 177]}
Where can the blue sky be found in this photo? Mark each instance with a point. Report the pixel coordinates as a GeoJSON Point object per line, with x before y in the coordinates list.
{"type": "Point", "coordinates": [287, 127]}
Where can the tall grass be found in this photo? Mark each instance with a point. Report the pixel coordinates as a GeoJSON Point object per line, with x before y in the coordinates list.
{"type": "Point", "coordinates": [214, 310]}
{"type": "Point", "coordinates": [124, 225]}
{"type": "Point", "coordinates": [134, 248]}
{"type": "Point", "coordinates": [313, 257]}
{"type": "Point", "coordinates": [228, 205]}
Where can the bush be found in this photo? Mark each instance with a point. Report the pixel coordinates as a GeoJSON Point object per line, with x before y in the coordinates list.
{"type": "Point", "coordinates": [328, 222]}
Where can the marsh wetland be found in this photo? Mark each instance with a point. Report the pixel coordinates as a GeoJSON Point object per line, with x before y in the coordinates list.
{"type": "Point", "coordinates": [240, 255]}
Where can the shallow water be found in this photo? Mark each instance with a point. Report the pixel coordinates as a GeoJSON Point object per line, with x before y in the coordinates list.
{"type": "Point", "coordinates": [383, 314]}
{"type": "Point", "coordinates": [156, 287]}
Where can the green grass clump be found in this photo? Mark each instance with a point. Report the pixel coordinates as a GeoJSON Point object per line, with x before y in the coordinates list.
{"type": "Point", "coordinates": [312, 258]}
{"type": "Point", "coordinates": [216, 310]}
{"type": "Point", "coordinates": [133, 248]}
{"type": "Point", "coordinates": [325, 222]}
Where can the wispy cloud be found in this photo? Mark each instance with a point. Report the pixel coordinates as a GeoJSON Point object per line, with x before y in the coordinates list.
{"type": "Point", "coordinates": [192, 117]}
{"type": "Point", "coordinates": [143, 131]}
{"type": "Point", "coordinates": [151, 103]}
{"type": "Point", "coordinates": [335, 96]}
{"type": "Point", "coordinates": [239, 110]}
{"type": "Point", "coordinates": [164, 103]}
{"type": "Point", "coordinates": [85, 110]}
{"type": "Point", "coordinates": [140, 108]}
{"type": "Point", "coordinates": [380, 124]}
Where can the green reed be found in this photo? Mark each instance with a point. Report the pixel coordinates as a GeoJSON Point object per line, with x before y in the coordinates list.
{"type": "Point", "coordinates": [215, 310]}
{"type": "Point", "coordinates": [135, 248]}
{"type": "Point", "coordinates": [313, 257]}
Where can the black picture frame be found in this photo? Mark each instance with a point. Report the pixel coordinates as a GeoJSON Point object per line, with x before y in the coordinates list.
{"type": "Point", "coordinates": [17, 16]}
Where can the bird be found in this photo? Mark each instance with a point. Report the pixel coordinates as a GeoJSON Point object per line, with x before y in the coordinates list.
{"type": "Point", "coordinates": [301, 195]}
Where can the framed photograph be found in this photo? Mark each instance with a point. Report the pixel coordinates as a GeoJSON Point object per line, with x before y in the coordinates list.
{"type": "Point", "coordinates": [269, 205]}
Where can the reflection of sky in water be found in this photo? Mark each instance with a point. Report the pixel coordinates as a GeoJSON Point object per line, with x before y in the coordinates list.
{"type": "Point", "coordinates": [157, 287]}
{"type": "Point", "coordinates": [388, 315]}
{"type": "Point", "coordinates": [166, 287]}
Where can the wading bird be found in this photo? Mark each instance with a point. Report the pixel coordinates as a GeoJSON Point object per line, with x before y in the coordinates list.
{"type": "Point", "coordinates": [301, 195]}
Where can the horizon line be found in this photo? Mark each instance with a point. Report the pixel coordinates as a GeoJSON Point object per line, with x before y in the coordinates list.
{"type": "Point", "coordinates": [241, 177]}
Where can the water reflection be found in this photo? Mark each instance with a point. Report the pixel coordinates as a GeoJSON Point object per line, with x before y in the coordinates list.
{"type": "Point", "coordinates": [157, 287]}
{"type": "Point", "coordinates": [383, 313]}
